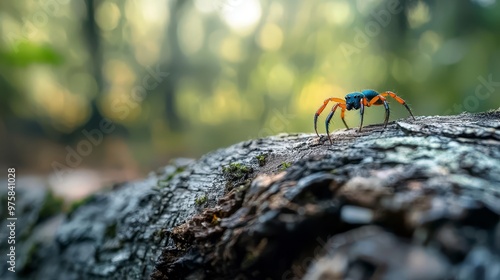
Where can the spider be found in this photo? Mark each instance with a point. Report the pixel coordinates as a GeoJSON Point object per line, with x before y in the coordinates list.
{"type": "Point", "coordinates": [358, 101]}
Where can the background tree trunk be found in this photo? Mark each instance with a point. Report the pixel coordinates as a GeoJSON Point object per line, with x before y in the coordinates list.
{"type": "Point", "coordinates": [418, 200]}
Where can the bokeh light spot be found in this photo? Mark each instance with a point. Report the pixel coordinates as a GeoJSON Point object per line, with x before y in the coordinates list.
{"type": "Point", "coordinates": [231, 49]}
{"type": "Point", "coordinates": [314, 92]}
{"type": "Point", "coordinates": [418, 15]}
{"type": "Point", "coordinates": [241, 16]}
{"type": "Point", "coordinates": [430, 42]}
{"type": "Point", "coordinates": [118, 72]}
{"type": "Point", "coordinates": [107, 16]}
{"type": "Point", "coordinates": [337, 13]}
{"type": "Point", "coordinates": [271, 37]}
{"type": "Point", "coordinates": [451, 52]}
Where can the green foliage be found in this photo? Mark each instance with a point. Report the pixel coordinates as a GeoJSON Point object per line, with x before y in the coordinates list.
{"type": "Point", "coordinates": [201, 200]}
{"type": "Point", "coordinates": [285, 165]}
{"type": "Point", "coordinates": [236, 170]}
{"type": "Point", "coordinates": [51, 206]}
{"type": "Point", "coordinates": [179, 170]}
{"type": "Point", "coordinates": [163, 183]}
{"type": "Point", "coordinates": [27, 53]}
{"type": "Point", "coordinates": [77, 203]}
{"type": "Point", "coordinates": [261, 159]}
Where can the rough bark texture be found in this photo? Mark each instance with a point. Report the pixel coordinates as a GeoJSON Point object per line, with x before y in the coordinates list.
{"type": "Point", "coordinates": [418, 200]}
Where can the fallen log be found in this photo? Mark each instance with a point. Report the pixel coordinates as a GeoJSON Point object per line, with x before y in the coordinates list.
{"type": "Point", "coordinates": [418, 200]}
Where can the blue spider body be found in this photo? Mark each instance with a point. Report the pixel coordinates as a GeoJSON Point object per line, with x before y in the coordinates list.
{"type": "Point", "coordinates": [358, 101]}
{"type": "Point", "coordinates": [353, 99]}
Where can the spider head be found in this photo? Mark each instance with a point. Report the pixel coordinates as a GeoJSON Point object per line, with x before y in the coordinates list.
{"type": "Point", "coordinates": [353, 100]}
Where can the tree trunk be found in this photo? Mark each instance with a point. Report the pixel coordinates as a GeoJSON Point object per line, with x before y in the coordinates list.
{"type": "Point", "coordinates": [418, 200]}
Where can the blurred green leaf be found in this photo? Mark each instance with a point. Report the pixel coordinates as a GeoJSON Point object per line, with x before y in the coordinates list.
{"type": "Point", "coordinates": [27, 53]}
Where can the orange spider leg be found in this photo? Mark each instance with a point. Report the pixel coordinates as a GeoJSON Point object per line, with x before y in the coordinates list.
{"type": "Point", "coordinates": [329, 117]}
{"type": "Point", "coordinates": [380, 100]}
{"type": "Point", "coordinates": [342, 115]}
{"type": "Point", "coordinates": [398, 99]}
{"type": "Point", "coordinates": [322, 108]}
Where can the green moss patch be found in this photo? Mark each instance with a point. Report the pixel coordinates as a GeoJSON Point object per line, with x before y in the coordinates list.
{"type": "Point", "coordinates": [236, 170]}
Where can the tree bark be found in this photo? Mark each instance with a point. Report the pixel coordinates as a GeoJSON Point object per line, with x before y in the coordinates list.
{"type": "Point", "coordinates": [418, 200]}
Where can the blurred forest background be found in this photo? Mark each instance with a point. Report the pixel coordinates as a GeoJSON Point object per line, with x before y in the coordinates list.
{"type": "Point", "coordinates": [180, 78]}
